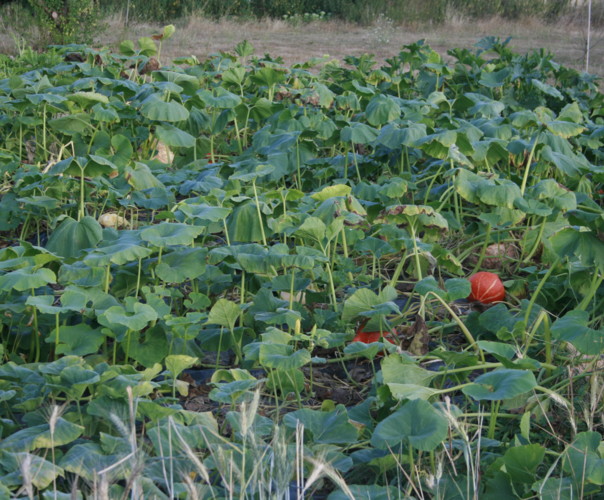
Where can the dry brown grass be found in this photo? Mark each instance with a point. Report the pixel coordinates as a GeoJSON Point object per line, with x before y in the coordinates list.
{"type": "Point", "coordinates": [298, 43]}
{"type": "Point", "coordinates": [202, 37]}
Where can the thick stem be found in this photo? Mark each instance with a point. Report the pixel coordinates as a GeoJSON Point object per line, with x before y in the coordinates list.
{"type": "Point", "coordinates": [415, 251]}
{"type": "Point", "coordinates": [57, 332]}
{"type": "Point", "coordinates": [593, 289]}
{"type": "Point", "coordinates": [527, 168]}
{"type": "Point", "coordinates": [356, 163]}
{"type": "Point", "coordinates": [81, 210]}
{"type": "Point", "coordinates": [483, 249]}
{"type": "Point", "coordinates": [493, 422]}
{"type": "Point", "coordinates": [537, 242]}
{"type": "Point", "coordinates": [298, 165]}
{"type": "Point", "coordinates": [138, 277]}
{"type": "Point", "coordinates": [538, 291]}
{"type": "Point", "coordinates": [259, 213]}
{"type": "Point", "coordinates": [128, 337]}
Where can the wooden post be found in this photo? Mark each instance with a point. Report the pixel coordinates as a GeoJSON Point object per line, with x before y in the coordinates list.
{"type": "Point", "coordinates": [588, 43]}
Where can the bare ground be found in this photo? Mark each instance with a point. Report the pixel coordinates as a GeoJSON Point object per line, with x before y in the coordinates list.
{"type": "Point", "coordinates": [298, 43]}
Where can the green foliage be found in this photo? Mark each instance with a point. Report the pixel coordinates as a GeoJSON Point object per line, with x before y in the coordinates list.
{"type": "Point", "coordinates": [289, 212]}
{"type": "Point", "coordinates": [512, 9]}
{"type": "Point", "coordinates": [358, 11]}
{"type": "Point", "coordinates": [27, 59]}
{"type": "Point", "coordinates": [158, 11]}
{"type": "Point", "coordinates": [66, 21]}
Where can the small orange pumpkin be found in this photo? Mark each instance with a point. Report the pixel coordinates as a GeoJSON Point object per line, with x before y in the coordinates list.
{"type": "Point", "coordinates": [486, 288]}
{"type": "Point", "coordinates": [370, 337]}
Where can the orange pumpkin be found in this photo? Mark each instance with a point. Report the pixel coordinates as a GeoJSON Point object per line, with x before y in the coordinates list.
{"type": "Point", "coordinates": [370, 337]}
{"type": "Point", "coordinates": [486, 288]}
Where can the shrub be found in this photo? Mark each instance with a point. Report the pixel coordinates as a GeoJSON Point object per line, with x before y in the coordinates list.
{"type": "Point", "coordinates": [163, 11]}
{"type": "Point", "coordinates": [67, 21]}
{"type": "Point", "coordinates": [511, 9]}
{"type": "Point", "coordinates": [358, 11]}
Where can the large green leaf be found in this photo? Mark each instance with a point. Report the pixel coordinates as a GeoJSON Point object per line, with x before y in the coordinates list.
{"type": "Point", "coordinates": [78, 340]}
{"type": "Point", "coordinates": [88, 99]}
{"type": "Point", "coordinates": [170, 233]}
{"type": "Point", "coordinates": [26, 278]}
{"type": "Point", "coordinates": [282, 357]}
{"type": "Point", "coordinates": [87, 459]}
{"type": "Point", "coordinates": [417, 424]}
{"type": "Point", "coordinates": [521, 463]}
{"type": "Point", "coordinates": [569, 166]}
{"type": "Point", "coordinates": [204, 212]}
{"type": "Point", "coordinates": [136, 319]}
{"type": "Point", "coordinates": [281, 316]}
{"type": "Point", "coordinates": [499, 194]}
{"type": "Point", "coordinates": [424, 214]}
{"type": "Point", "coordinates": [364, 300]}
{"type": "Point", "coordinates": [92, 166]}
{"type": "Point", "coordinates": [140, 177]}
{"type": "Point", "coordinates": [564, 129]}
{"type": "Point", "coordinates": [220, 98]}
{"type": "Point", "coordinates": [364, 492]}
{"type": "Point", "coordinates": [313, 228]}
{"type": "Point", "coordinates": [268, 76]}
{"type": "Point", "coordinates": [325, 427]}
{"type": "Point", "coordinates": [71, 124]}
{"type": "Point", "coordinates": [406, 380]}
{"type": "Point", "coordinates": [189, 83]}
{"type": "Point", "coordinates": [77, 376]}
{"type": "Point", "coordinates": [105, 113]}
{"type": "Point", "coordinates": [72, 236]}
{"type": "Point", "coordinates": [224, 313]}
{"type": "Point", "coordinates": [478, 189]}
{"type": "Point", "coordinates": [494, 79]}
{"type": "Point", "coordinates": [71, 300]}
{"type": "Point", "coordinates": [244, 225]}
{"type": "Point", "coordinates": [368, 351]}
{"type": "Point", "coordinates": [40, 472]}
{"type": "Point", "coordinates": [484, 106]}
{"type": "Point", "coordinates": [122, 150]}
{"type": "Point", "coordinates": [582, 459]}
{"type": "Point", "coordinates": [439, 144]}
{"type": "Point", "coordinates": [154, 108]}
{"type": "Point", "coordinates": [150, 347]}
{"type": "Point", "coordinates": [583, 245]}
{"type": "Point", "coordinates": [177, 363]}
{"type": "Point", "coordinates": [573, 327]}
{"type": "Point", "coordinates": [332, 191]}
{"type": "Point", "coordinates": [40, 436]}
{"type": "Point", "coordinates": [381, 110]}
{"type": "Point", "coordinates": [174, 137]}
{"type": "Point", "coordinates": [252, 173]}
{"type": "Point", "coordinates": [547, 89]}
{"type": "Point", "coordinates": [358, 133]}
{"type": "Point", "coordinates": [396, 369]}
{"type": "Point", "coordinates": [501, 384]}
{"type": "Point", "coordinates": [257, 259]}
{"type": "Point", "coordinates": [121, 250]}
{"type": "Point", "coordinates": [394, 138]}
{"type": "Point", "coordinates": [455, 288]}
{"type": "Point", "coordinates": [182, 264]}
